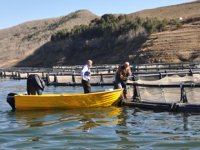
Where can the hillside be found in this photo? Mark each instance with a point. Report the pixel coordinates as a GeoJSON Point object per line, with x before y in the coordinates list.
{"type": "Point", "coordinates": [176, 46]}
{"type": "Point", "coordinates": [21, 41]}
{"type": "Point", "coordinates": [31, 44]}
{"type": "Point", "coordinates": [186, 10]}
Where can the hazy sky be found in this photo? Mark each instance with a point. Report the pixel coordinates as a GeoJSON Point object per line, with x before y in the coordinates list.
{"type": "Point", "coordinates": [13, 12]}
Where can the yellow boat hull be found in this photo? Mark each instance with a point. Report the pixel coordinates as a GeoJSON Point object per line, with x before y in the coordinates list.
{"type": "Point", "coordinates": [63, 101]}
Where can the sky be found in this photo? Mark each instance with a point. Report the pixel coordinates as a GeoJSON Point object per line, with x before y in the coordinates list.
{"type": "Point", "coordinates": [14, 12]}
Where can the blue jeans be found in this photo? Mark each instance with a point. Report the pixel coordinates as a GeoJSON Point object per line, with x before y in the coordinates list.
{"type": "Point", "coordinates": [123, 83]}
{"type": "Point", "coordinates": [119, 85]}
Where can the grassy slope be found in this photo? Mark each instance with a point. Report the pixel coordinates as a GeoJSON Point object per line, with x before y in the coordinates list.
{"type": "Point", "coordinates": [29, 44]}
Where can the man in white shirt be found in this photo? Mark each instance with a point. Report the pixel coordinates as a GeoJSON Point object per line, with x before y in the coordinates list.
{"type": "Point", "coordinates": [85, 74]}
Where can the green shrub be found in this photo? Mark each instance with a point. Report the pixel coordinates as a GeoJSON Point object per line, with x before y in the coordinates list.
{"type": "Point", "coordinates": [111, 25]}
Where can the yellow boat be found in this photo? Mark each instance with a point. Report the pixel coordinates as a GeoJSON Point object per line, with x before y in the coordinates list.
{"type": "Point", "coordinates": [65, 101]}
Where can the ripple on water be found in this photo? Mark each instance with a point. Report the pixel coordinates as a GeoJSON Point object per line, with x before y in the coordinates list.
{"type": "Point", "coordinates": [94, 128]}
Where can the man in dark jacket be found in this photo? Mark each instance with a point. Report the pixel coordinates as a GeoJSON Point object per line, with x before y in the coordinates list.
{"type": "Point", "coordinates": [35, 85]}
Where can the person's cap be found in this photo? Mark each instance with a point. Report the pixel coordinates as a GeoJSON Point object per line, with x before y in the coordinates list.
{"type": "Point", "coordinates": [126, 63]}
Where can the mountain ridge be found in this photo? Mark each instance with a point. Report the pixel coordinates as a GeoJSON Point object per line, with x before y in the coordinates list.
{"type": "Point", "coordinates": [27, 44]}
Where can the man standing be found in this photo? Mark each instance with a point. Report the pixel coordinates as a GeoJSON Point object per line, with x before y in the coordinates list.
{"type": "Point", "coordinates": [85, 74]}
{"type": "Point", "coordinates": [35, 85]}
{"type": "Point", "coordinates": [121, 76]}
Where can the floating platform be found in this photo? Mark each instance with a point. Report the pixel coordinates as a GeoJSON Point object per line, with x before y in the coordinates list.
{"type": "Point", "coordinates": [172, 93]}
{"type": "Point", "coordinates": [159, 107]}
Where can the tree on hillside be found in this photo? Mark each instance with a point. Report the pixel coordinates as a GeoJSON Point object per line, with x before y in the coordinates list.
{"type": "Point", "coordinates": [111, 26]}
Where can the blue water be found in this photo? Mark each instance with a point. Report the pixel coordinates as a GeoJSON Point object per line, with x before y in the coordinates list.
{"type": "Point", "coordinates": [93, 128]}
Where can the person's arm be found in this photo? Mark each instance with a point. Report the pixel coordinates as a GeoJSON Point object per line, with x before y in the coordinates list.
{"type": "Point", "coordinates": [42, 83]}
{"type": "Point", "coordinates": [124, 78]}
{"type": "Point", "coordinates": [127, 74]}
{"type": "Point", "coordinates": [83, 71]}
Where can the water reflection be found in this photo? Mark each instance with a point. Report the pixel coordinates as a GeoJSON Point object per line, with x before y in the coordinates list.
{"type": "Point", "coordinates": [73, 119]}
{"type": "Point", "coordinates": [185, 121]}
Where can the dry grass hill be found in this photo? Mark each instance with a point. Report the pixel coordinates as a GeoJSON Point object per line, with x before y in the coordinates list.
{"type": "Point", "coordinates": [176, 46]}
{"type": "Point", "coordinates": [186, 10]}
{"type": "Point", "coordinates": [173, 45]}
{"type": "Point", "coordinates": [23, 41]}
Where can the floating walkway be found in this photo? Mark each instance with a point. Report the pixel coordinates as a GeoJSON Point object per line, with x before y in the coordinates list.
{"type": "Point", "coordinates": [75, 80]}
